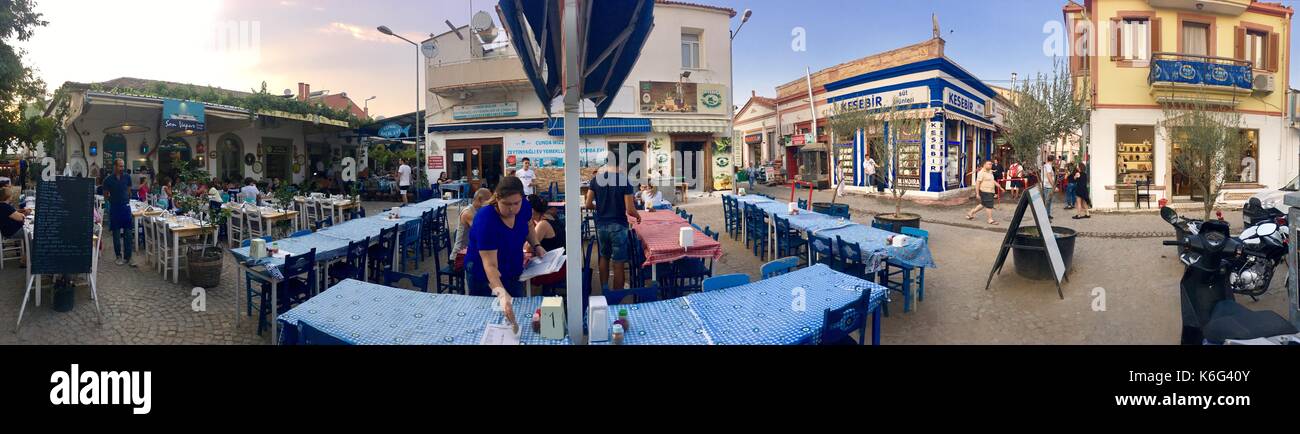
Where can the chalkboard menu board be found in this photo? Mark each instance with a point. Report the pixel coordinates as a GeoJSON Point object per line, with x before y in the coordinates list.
{"type": "Point", "coordinates": [64, 226]}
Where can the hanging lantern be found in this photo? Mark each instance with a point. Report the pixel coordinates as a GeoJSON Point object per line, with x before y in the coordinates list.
{"type": "Point", "coordinates": [144, 147]}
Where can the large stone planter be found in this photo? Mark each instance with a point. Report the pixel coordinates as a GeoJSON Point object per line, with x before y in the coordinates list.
{"type": "Point", "coordinates": [1035, 264]}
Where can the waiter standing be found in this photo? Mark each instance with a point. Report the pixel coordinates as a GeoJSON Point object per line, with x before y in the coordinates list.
{"type": "Point", "coordinates": [116, 187]}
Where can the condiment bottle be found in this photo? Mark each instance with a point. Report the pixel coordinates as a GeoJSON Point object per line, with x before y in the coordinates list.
{"type": "Point", "coordinates": [622, 319]}
{"type": "Point", "coordinates": [537, 321]}
{"type": "Point", "coordinates": [616, 334]}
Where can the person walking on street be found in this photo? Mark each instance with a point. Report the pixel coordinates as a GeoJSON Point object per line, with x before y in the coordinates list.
{"type": "Point", "coordinates": [985, 191]}
{"type": "Point", "coordinates": [871, 174]}
{"type": "Point", "coordinates": [1069, 186]}
{"type": "Point", "coordinates": [611, 196]}
{"type": "Point", "coordinates": [1081, 192]}
{"type": "Point", "coordinates": [403, 179]}
{"type": "Point", "coordinates": [116, 188]}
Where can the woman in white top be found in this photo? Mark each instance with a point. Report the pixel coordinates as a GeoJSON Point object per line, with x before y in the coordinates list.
{"type": "Point", "coordinates": [652, 198]}
{"type": "Point", "coordinates": [249, 193]}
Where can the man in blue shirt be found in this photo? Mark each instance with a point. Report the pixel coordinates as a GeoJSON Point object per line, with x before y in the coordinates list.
{"type": "Point", "coordinates": [116, 188]}
{"type": "Point", "coordinates": [611, 196]}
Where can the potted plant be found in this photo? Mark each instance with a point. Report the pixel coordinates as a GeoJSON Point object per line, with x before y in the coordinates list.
{"type": "Point", "coordinates": [898, 126]}
{"type": "Point", "coordinates": [205, 261]}
{"type": "Point", "coordinates": [1045, 110]}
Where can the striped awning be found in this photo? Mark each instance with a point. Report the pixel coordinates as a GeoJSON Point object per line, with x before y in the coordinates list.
{"type": "Point", "coordinates": [601, 127]}
{"type": "Point", "coordinates": [707, 126]}
{"type": "Point", "coordinates": [488, 126]}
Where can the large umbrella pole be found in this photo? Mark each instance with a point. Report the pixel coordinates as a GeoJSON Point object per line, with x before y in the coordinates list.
{"type": "Point", "coordinates": [572, 176]}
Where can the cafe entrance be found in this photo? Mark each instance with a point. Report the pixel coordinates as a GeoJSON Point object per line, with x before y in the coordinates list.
{"type": "Point", "coordinates": [477, 161]}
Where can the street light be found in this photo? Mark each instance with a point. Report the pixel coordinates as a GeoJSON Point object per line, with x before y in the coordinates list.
{"type": "Point", "coordinates": [731, 66]}
{"type": "Point", "coordinates": [367, 103]}
{"type": "Point", "coordinates": [419, 129]}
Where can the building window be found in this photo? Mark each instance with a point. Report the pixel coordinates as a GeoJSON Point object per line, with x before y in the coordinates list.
{"type": "Point", "coordinates": [1135, 39]}
{"type": "Point", "coordinates": [1257, 49]}
{"type": "Point", "coordinates": [1196, 39]}
{"type": "Point", "coordinates": [1134, 153]}
{"type": "Point", "coordinates": [1248, 169]}
{"type": "Point", "coordinates": [691, 49]}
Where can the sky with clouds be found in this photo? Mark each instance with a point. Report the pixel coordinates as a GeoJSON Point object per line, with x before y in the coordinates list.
{"type": "Point", "coordinates": [333, 44]}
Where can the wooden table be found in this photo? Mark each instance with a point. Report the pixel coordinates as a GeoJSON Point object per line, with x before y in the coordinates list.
{"type": "Point", "coordinates": [339, 208]}
{"type": "Point", "coordinates": [268, 218]}
{"type": "Point", "coordinates": [187, 229]}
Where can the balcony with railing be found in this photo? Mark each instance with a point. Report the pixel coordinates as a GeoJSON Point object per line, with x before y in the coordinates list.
{"type": "Point", "coordinates": [1177, 77]}
{"type": "Point", "coordinates": [492, 67]}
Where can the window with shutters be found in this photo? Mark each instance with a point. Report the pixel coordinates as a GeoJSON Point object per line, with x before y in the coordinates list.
{"type": "Point", "coordinates": [1256, 50]}
{"type": "Point", "coordinates": [1135, 39]}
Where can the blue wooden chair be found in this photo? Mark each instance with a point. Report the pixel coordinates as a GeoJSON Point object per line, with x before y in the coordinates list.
{"type": "Point", "coordinates": [442, 232]}
{"type": "Point", "coordinates": [803, 204]}
{"type": "Point", "coordinates": [878, 224]}
{"type": "Point", "coordinates": [758, 233]}
{"type": "Point", "coordinates": [380, 255]}
{"type": "Point", "coordinates": [354, 266]}
{"type": "Point", "coordinates": [310, 335]}
{"type": "Point", "coordinates": [905, 271]}
{"type": "Point", "coordinates": [779, 267]}
{"type": "Point", "coordinates": [789, 242]}
{"type": "Point", "coordinates": [427, 230]}
{"type": "Point", "coordinates": [292, 290]}
{"type": "Point", "coordinates": [639, 295]}
{"type": "Point", "coordinates": [821, 250]}
{"type": "Point", "coordinates": [709, 233]}
{"type": "Point", "coordinates": [249, 278]}
{"type": "Point", "coordinates": [302, 233]}
{"type": "Point", "coordinates": [897, 276]}
{"type": "Point", "coordinates": [839, 324]}
{"type": "Point", "coordinates": [851, 260]}
{"type": "Point", "coordinates": [420, 282]}
{"type": "Point", "coordinates": [725, 281]}
{"type": "Point", "coordinates": [325, 222]}
{"type": "Point", "coordinates": [410, 246]}
{"type": "Point", "coordinates": [357, 213]}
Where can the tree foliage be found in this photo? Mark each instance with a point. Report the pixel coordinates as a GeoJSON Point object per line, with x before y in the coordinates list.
{"type": "Point", "coordinates": [1209, 143]}
{"type": "Point", "coordinates": [897, 125]}
{"type": "Point", "coordinates": [19, 85]}
{"type": "Point", "coordinates": [1046, 110]}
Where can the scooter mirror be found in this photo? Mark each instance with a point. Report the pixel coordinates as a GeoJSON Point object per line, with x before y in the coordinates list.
{"type": "Point", "coordinates": [1168, 214]}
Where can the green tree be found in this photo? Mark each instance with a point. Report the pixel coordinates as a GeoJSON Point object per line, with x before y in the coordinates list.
{"type": "Point", "coordinates": [19, 86]}
{"type": "Point", "coordinates": [1208, 143]}
{"type": "Point", "coordinates": [1046, 110]}
{"type": "Point", "coordinates": [898, 125]}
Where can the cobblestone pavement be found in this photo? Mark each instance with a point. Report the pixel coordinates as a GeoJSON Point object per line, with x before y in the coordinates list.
{"type": "Point", "coordinates": [1138, 278]}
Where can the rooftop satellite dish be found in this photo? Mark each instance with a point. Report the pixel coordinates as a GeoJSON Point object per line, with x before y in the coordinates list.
{"type": "Point", "coordinates": [429, 49]}
{"type": "Point", "coordinates": [482, 25]}
{"type": "Point", "coordinates": [288, 92]}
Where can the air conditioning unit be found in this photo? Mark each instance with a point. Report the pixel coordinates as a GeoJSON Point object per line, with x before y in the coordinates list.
{"type": "Point", "coordinates": [1266, 83]}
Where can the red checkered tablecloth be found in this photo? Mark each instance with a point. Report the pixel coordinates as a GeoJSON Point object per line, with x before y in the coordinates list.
{"type": "Point", "coordinates": [659, 231]}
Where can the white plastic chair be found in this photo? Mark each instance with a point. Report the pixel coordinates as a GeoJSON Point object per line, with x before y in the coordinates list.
{"type": "Point", "coordinates": [10, 249]}
{"type": "Point", "coordinates": [150, 239]}
{"type": "Point", "coordinates": [256, 226]}
{"type": "Point", "coordinates": [328, 211]}
{"type": "Point", "coordinates": [236, 228]}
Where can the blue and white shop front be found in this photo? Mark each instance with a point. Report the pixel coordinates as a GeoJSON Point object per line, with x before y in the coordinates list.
{"type": "Point", "coordinates": [940, 159]}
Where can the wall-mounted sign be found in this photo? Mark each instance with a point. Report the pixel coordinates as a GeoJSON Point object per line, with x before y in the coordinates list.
{"type": "Point", "coordinates": [183, 115]}
{"type": "Point", "coordinates": [681, 97]}
{"type": "Point", "coordinates": [799, 139]}
{"type": "Point", "coordinates": [546, 152]}
{"type": "Point", "coordinates": [934, 142]}
{"type": "Point", "coordinates": [458, 157]}
{"type": "Point", "coordinates": [436, 162]}
{"type": "Point", "coordinates": [915, 95]}
{"type": "Point", "coordinates": [956, 99]}
{"type": "Point", "coordinates": [393, 130]}
{"type": "Point", "coordinates": [493, 110]}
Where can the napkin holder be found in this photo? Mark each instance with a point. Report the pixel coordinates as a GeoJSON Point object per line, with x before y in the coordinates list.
{"type": "Point", "coordinates": [446, 195]}
{"type": "Point", "coordinates": [740, 191]}
{"type": "Point", "coordinates": [899, 240]}
{"type": "Point", "coordinates": [553, 318]}
{"type": "Point", "coordinates": [597, 319]}
{"type": "Point", "coordinates": [793, 207]}
{"type": "Point", "coordinates": [257, 248]}
{"type": "Point", "coordinates": [686, 237]}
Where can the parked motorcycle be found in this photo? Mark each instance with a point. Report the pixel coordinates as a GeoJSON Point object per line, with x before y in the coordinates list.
{"type": "Point", "coordinates": [1265, 234]}
{"type": "Point", "coordinates": [1210, 314]}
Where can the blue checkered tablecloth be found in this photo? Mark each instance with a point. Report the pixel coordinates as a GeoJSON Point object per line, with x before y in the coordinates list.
{"type": "Point", "coordinates": [357, 229]}
{"type": "Point", "coordinates": [327, 248]}
{"type": "Point", "coordinates": [432, 204]}
{"type": "Point", "coordinates": [772, 311]}
{"type": "Point", "coordinates": [363, 313]}
{"type": "Point", "coordinates": [668, 322]}
{"type": "Point", "coordinates": [915, 253]}
{"type": "Point", "coordinates": [751, 198]}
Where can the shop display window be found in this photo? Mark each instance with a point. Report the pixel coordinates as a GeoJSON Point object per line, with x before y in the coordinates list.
{"type": "Point", "coordinates": [1134, 154]}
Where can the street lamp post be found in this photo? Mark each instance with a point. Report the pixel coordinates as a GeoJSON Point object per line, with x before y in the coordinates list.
{"type": "Point", "coordinates": [731, 118]}
{"type": "Point", "coordinates": [367, 108]}
{"type": "Point", "coordinates": [419, 134]}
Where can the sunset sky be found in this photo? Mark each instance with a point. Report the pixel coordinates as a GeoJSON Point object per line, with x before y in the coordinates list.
{"type": "Point", "coordinates": [333, 44]}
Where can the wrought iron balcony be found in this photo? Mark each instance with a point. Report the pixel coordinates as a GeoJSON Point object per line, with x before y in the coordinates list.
{"type": "Point", "coordinates": [1178, 77]}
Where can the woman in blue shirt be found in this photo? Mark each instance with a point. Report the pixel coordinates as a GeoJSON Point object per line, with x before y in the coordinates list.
{"type": "Point", "coordinates": [495, 256]}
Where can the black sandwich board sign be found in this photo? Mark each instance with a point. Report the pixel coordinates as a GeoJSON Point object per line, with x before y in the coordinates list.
{"type": "Point", "coordinates": [1032, 197]}
{"type": "Point", "coordinates": [61, 243]}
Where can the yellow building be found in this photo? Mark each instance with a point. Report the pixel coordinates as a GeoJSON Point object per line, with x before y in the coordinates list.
{"type": "Point", "coordinates": [1139, 56]}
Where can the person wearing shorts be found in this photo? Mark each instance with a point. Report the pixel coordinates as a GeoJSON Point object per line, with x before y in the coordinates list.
{"type": "Point", "coordinates": [985, 191]}
{"type": "Point", "coordinates": [403, 179]}
{"type": "Point", "coordinates": [611, 196]}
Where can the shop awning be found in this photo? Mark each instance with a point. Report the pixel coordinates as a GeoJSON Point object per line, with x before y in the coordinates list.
{"type": "Point", "coordinates": [953, 115]}
{"type": "Point", "coordinates": [600, 127]}
{"type": "Point", "coordinates": [706, 126]}
{"type": "Point", "coordinates": [488, 126]}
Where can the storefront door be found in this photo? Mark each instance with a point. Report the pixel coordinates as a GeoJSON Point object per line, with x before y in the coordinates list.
{"type": "Point", "coordinates": [230, 161]}
{"type": "Point", "coordinates": [479, 161]}
{"type": "Point", "coordinates": [691, 169]}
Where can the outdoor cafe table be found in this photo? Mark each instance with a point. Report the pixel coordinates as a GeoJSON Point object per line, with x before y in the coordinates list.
{"type": "Point", "coordinates": [340, 206]}
{"type": "Point", "coordinates": [659, 232]}
{"type": "Point", "coordinates": [327, 249]}
{"type": "Point", "coordinates": [461, 188]}
{"type": "Point", "coordinates": [362, 313]}
{"type": "Point", "coordinates": [270, 216]}
{"type": "Point", "coordinates": [185, 227]}
{"type": "Point", "coordinates": [770, 312]}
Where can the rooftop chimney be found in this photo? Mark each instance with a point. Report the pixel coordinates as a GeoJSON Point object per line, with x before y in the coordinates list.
{"type": "Point", "coordinates": [304, 90]}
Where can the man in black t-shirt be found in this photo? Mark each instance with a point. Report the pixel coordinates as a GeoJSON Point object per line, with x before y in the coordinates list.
{"type": "Point", "coordinates": [611, 196]}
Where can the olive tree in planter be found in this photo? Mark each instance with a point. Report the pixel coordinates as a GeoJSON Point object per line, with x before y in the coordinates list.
{"type": "Point", "coordinates": [1209, 145]}
{"type": "Point", "coordinates": [205, 262]}
{"type": "Point", "coordinates": [1045, 110]}
{"type": "Point", "coordinates": [898, 126]}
